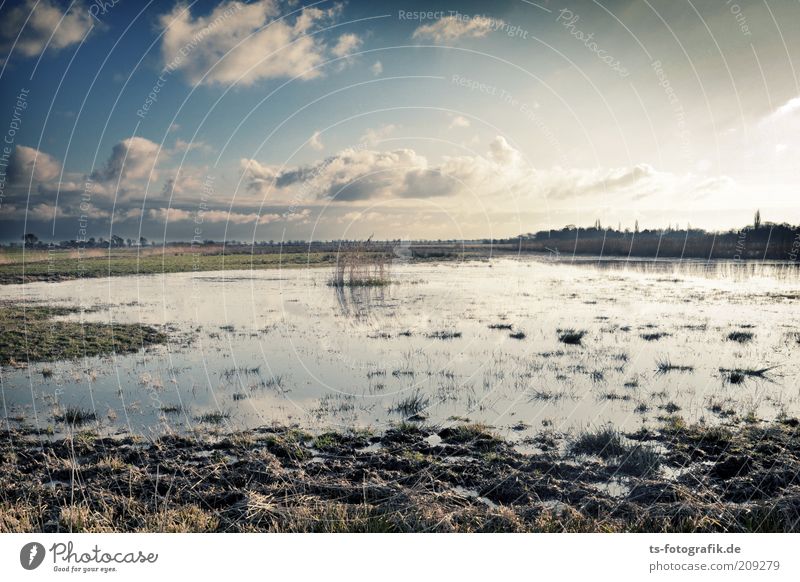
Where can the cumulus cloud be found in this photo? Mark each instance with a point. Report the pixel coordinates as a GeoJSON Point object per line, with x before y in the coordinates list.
{"type": "Point", "coordinates": [376, 68]}
{"type": "Point", "coordinates": [791, 107]}
{"type": "Point", "coordinates": [502, 153]}
{"type": "Point", "coordinates": [243, 43]}
{"type": "Point", "coordinates": [132, 158]}
{"type": "Point", "coordinates": [29, 164]}
{"type": "Point", "coordinates": [501, 173]}
{"type": "Point", "coordinates": [42, 24]}
{"type": "Point", "coordinates": [451, 28]}
{"type": "Point", "coordinates": [346, 44]}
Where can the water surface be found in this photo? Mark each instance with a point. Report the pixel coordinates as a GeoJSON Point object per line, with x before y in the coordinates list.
{"type": "Point", "coordinates": [282, 346]}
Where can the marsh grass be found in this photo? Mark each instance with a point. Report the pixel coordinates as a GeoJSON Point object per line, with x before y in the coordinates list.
{"type": "Point", "coordinates": [274, 382]}
{"type": "Point", "coordinates": [538, 394]}
{"type": "Point", "coordinates": [359, 264]}
{"type": "Point", "coordinates": [741, 337]}
{"type": "Point", "coordinates": [231, 373]}
{"type": "Point", "coordinates": [571, 337]}
{"type": "Point", "coordinates": [173, 409]}
{"type": "Point", "coordinates": [665, 365]}
{"type": "Point", "coordinates": [670, 408]}
{"type": "Point", "coordinates": [411, 405]}
{"type": "Point", "coordinates": [64, 265]}
{"type": "Point", "coordinates": [739, 375]}
{"type": "Point", "coordinates": [76, 416]}
{"type": "Point", "coordinates": [444, 335]}
{"type": "Point", "coordinates": [603, 442]}
{"type": "Point", "coordinates": [278, 484]}
{"type": "Point", "coordinates": [31, 333]}
{"type": "Point", "coordinates": [640, 461]}
{"type": "Point", "coordinates": [215, 417]}
{"type": "Point", "coordinates": [655, 336]}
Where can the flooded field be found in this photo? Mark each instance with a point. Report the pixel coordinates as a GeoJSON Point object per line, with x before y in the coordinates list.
{"type": "Point", "coordinates": [518, 344]}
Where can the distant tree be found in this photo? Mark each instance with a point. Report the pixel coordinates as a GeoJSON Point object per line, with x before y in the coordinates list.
{"type": "Point", "coordinates": [30, 239]}
{"type": "Point", "coordinates": [128, 242]}
{"type": "Point", "coordinates": [636, 226]}
{"type": "Point", "coordinates": [117, 241]}
{"type": "Point", "coordinates": [757, 220]}
{"type": "Point", "coordinates": [142, 242]}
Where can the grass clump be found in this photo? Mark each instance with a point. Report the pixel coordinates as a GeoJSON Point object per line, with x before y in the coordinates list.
{"type": "Point", "coordinates": [603, 442]}
{"type": "Point", "coordinates": [640, 461]}
{"type": "Point", "coordinates": [652, 337]}
{"type": "Point", "coordinates": [76, 416]}
{"type": "Point", "coordinates": [665, 366]}
{"type": "Point", "coordinates": [572, 337]}
{"type": "Point", "coordinates": [444, 335]}
{"type": "Point", "coordinates": [411, 405]}
{"type": "Point", "coordinates": [739, 375]}
{"type": "Point", "coordinates": [476, 434]}
{"type": "Point", "coordinates": [216, 417]}
{"type": "Point", "coordinates": [172, 409]}
{"type": "Point", "coordinates": [741, 337]}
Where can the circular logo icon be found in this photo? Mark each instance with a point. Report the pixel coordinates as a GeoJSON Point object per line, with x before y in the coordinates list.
{"type": "Point", "coordinates": [31, 555]}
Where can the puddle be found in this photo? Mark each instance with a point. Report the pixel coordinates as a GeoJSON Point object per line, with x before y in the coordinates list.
{"type": "Point", "coordinates": [472, 494]}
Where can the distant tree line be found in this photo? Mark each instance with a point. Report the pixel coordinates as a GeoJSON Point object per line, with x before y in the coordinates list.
{"type": "Point", "coordinates": [31, 240]}
{"type": "Point", "coordinates": [760, 240]}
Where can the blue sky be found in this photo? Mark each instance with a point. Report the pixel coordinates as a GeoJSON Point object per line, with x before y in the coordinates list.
{"type": "Point", "coordinates": [294, 120]}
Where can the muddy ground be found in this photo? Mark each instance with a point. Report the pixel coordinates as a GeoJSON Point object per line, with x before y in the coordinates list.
{"type": "Point", "coordinates": [740, 478]}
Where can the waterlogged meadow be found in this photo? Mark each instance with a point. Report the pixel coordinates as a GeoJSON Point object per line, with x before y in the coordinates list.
{"type": "Point", "coordinates": [521, 345]}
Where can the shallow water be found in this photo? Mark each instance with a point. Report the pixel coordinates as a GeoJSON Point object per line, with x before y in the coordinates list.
{"type": "Point", "coordinates": [283, 346]}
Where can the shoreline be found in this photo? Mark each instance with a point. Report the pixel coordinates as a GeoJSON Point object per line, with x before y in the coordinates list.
{"type": "Point", "coordinates": [62, 266]}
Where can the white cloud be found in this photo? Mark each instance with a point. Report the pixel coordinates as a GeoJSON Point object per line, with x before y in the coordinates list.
{"type": "Point", "coordinates": [132, 158]}
{"type": "Point", "coordinates": [44, 211]}
{"type": "Point", "coordinates": [223, 216]}
{"type": "Point", "coordinates": [29, 163]}
{"type": "Point", "coordinates": [373, 135]}
{"type": "Point", "coordinates": [47, 26]}
{"type": "Point", "coordinates": [451, 28]}
{"type": "Point", "coordinates": [788, 108]}
{"type": "Point", "coordinates": [315, 142]}
{"type": "Point", "coordinates": [346, 44]}
{"type": "Point", "coordinates": [458, 122]}
{"type": "Point", "coordinates": [242, 43]}
{"type": "Point", "coordinates": [376, 68]}
{"type": "Point", "coordinates": [500, 175]}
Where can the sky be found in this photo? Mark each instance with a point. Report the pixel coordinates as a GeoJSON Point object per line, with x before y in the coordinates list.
{"type": "Point", "coordinates": [267, 120]}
